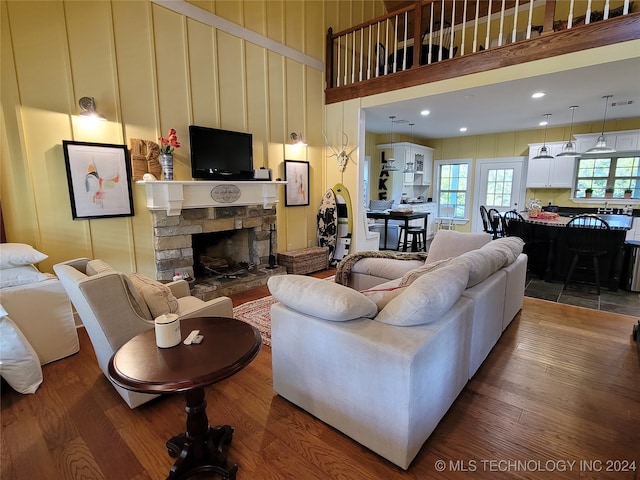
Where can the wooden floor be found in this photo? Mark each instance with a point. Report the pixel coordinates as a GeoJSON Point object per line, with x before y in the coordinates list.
{"type": "Point", "coordinates": [562, 385]}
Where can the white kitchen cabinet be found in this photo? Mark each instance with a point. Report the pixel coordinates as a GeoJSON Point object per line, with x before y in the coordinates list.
{"type": "Point", "coordinates": [421, 156]}
{"type": "Point", "coordinates": [622, 141]}
{"type": "Point", "coordinates": [550, 172]}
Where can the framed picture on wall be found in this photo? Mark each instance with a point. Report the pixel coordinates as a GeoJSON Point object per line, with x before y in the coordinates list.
{"type": "Point", "coordinates": [99, 178]}
{"type": "Point", "coordinates": [296, 174]}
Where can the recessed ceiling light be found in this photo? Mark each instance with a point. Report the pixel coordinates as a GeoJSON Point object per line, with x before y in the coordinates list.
{"type": "Point", "coordinates": [424, 113]}
{"type": "Point", "coordinates": [463, 129]}
{"type": "Point", "coordinates": [543, 123]}
{"type": "Point", "coordinates": [538, 95]}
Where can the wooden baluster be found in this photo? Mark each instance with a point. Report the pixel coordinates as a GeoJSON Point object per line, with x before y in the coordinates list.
{"type": "Point", "coordinates": [501, 24]}
{"type": "Point", "coordinates": [487, 40]}
{"type": "Point", "coordinates": [464, 27]}
{"type": "Point", "coordinates": [404, 50]}
{"type": "Point", "coordinates": [353, 59]}
{"type": "Point", "coordinates": [529, 21]}
{"type": "Point", "coordinates": [395, 44]}
{"type": "Point", "coordinates": [514, 34]}
{"type": "Point", "coordinates": [346, 58]}
{"type": "Point", "coordinates": [441, 31]}
{"type": "Point", "coordinates": [338, 65]}
{"type": "Point", "coordinates": [570, 17]}
{"type": "Point", "coordinates": [606, 9]}
{"type": "Point", "coordinates": [386, 44]}
{"type": "Point", "coordinates": [453, 28]}
{"type": "Point", "coordinates": [429, 59]}
{"type": "Point", "coordinates": [587, 19]}
{"type": "Point", "coordinates": [475, 27]}
{"type": "Point", "coordinates": [369, 54]}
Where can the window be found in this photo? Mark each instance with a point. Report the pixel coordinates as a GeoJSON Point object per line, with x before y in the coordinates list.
{"type": "Point", "coordinates": [611, 177]}
{"type": "Point", "coordinates": [499, 187]}
{"type": "Point", "coordinates": [453, 182]}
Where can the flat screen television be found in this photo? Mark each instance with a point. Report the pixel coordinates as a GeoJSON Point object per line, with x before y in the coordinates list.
{"type": "Point", "coordinates": [220, 154]}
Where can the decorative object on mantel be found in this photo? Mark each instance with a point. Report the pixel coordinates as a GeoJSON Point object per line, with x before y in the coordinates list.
{"type": "Point", "coordinates": [166, 153]}
{"type": "Point", "coordinates": [144, 159]}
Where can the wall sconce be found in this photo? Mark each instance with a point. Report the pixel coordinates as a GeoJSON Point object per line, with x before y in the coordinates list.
{"type": "Point", "coordinates": [297, 139]}
{"type": "Point", "coordinates": [88, 106]}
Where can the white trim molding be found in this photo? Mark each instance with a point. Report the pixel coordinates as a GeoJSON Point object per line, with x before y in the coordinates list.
{"type": "Point", "coordinates": [196, 13]}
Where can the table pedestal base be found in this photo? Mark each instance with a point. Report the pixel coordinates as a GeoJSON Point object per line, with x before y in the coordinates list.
{"type": "Point", "coordinates": [202, 448]}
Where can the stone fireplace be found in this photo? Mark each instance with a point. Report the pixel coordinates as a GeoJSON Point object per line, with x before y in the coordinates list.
{"type": "Point", "coordinates": [223, 248]}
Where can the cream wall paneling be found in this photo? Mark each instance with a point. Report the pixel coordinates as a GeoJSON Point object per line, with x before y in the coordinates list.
{"type": "Point", "coordinates": [550, 172]}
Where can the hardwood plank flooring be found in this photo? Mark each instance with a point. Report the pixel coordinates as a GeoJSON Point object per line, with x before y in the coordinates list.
{"type": "Point", "coordinates": [562, 385]}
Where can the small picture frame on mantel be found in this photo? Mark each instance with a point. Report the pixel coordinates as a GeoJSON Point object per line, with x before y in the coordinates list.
{"type": "Point", "coordinates": [296, 174]}
{"type": "Point", "coordinates": [99, 178]}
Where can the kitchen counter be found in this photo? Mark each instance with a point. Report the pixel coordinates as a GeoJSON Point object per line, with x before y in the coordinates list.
{"type": "Point", "coordinates": [616, 222]}
{"type": "Point", "coordinates": [552, 259]}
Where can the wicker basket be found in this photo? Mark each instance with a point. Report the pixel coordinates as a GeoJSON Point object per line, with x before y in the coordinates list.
{"type": "Point", "coordinates": [305, 260]}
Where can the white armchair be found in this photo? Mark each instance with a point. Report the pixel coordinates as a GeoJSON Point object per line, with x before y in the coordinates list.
{"type": "Point", "coordinates": [113, 311]}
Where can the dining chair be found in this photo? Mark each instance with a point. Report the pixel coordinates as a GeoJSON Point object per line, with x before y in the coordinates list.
{"type": "Point", "coordinates": [414, 236]}
{"type": "Point", "coordinates": [585, 241]}
{"type": "Point", "coordinates": [495, 223]}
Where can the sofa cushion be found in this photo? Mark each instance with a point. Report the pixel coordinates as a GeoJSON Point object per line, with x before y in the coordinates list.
{"type": "Point", "coordinates": [411, 276]}
{"type": "Point", "coordinates": [12, 277]}
{"type": "Point", "coordinates": [450, 243]}
{"type": "Point", "coordinates": [481, 264]}
{"type": "Point", "coordinates": [157, 296]}
{"type": "Point", "coordinates": [383, 294]}
{"type": "Point", "coordinates": [19, 254]}
{"type": "Point", "coordinates": [428, 298]}
{"type": "Point", "coordinates": [321, 298]}
{"type": "Point", "coordinates": [510, 246]}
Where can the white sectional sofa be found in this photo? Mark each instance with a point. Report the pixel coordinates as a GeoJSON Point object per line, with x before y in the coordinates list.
{"type": "Point", "coordinates": [384, 365]}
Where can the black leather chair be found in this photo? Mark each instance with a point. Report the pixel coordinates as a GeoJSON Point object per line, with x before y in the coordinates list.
{"type": "Point", "coordinates": [585, 242]}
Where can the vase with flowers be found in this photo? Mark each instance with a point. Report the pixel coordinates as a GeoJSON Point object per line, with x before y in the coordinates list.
{"type": "Point", "coordinates": [167, 146]}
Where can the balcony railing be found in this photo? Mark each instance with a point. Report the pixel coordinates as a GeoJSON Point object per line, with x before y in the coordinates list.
{"type": "Point", "coordinates": [466, 36]}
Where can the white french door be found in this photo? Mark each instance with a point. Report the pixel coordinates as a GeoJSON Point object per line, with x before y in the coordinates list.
{"type": "Point", "coordinates": [498, 184]}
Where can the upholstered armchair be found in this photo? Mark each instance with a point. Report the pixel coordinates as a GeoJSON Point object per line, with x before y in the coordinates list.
{"type": "Point", "coordinates": [115, 307]}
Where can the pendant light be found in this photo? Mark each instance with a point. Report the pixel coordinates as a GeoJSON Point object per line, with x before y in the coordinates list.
{"type": "Point", "coordinates": [390, 166]}
{"type": "Point", "coordinates": [601, 143]}
{"type": "Point", "coordinates": [409, 166]}
{"type": "Point", "coordinates": [569, 148]}
{"type": "Point", "coordinates": [544, 151]}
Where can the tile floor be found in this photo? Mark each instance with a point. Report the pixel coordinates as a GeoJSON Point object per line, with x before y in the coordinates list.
{"type": "Point", "coordinates": [622, 301]}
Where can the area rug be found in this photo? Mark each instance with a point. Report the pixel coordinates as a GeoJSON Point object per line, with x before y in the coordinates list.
{"type": "Point", "coordinates": [258, 314]}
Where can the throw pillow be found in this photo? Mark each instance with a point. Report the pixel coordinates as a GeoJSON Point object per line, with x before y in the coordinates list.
{"type": "Point", "coordinates": [321, 298]}
{"type": "Point", "coordinates": [19, 362]}
{"type": "Point", "coordinates": [426, 299]}
{"type": "Point", "coordinates": [450, 243]}
{"type": "Point", "coordinates": [382, 295]}
{"type": "Point", "coordinates": [12, 277]}
{"type": "Point", "coordinates": [157, 296]}
{"type": "Point", "coordinates": [19, 254]}
{"type": "Point", "coordinates": [411, 276]}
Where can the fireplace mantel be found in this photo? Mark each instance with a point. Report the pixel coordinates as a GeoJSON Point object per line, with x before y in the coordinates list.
{"type": "Point", "coordinates": [174, 196]}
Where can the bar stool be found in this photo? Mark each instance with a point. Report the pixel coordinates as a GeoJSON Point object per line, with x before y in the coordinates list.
{"type": "Point", "coordinates": [584, 241]}
{"type": "Point", "coordinates": [415, 236]}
